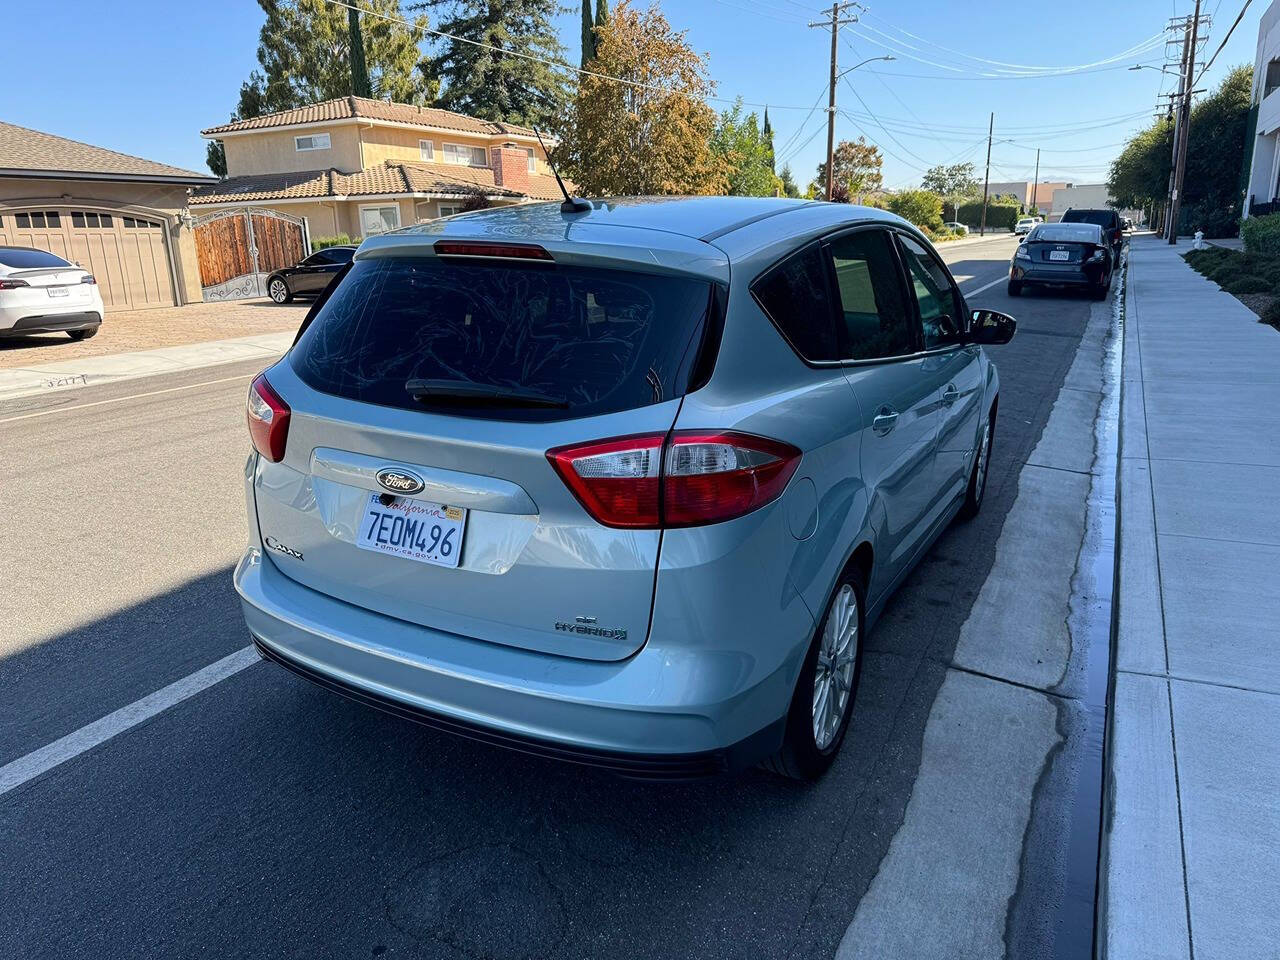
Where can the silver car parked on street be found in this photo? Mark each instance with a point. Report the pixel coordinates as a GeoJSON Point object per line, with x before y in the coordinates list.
{"type": "Point", "coordinates": [625, 486]}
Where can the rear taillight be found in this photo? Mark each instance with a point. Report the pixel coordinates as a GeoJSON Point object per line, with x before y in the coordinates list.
{"type": "Point", "coordinates": [686, 479]}
{"type": "Point", "coordinates": [12, 284]}
{"type": "Point", "coordinates": [88, 278]}
{"type": "Point", "coordinates": [268, 418]}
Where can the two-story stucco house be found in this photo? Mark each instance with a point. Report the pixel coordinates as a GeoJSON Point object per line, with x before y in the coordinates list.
{"type": "Point", "coordinates": [359, 166]}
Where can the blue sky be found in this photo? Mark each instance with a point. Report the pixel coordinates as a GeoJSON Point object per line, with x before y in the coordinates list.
{"type": "Point", "coordinates": [144, 76]}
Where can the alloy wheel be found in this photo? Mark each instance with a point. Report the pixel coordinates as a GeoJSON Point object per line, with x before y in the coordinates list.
{"type": "Point", "coordinates": [833, 673]}
{"type": "Point", "coordinates": [278, 291]}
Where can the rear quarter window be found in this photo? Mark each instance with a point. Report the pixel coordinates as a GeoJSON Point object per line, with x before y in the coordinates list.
{"type": "Point", "coordinates": [603, 340]}
{"type": "Point", "coordinates": [795, 297]}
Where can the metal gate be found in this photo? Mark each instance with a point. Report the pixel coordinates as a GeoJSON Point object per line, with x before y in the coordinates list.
{"type": "Point", "coordinates": [238, 250]}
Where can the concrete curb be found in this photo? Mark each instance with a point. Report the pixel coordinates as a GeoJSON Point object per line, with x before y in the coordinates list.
{"type": "Point", "coordinates": [59, 377]}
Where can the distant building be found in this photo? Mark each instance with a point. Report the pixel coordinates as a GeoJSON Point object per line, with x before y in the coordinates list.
{"type": "Point", "coordinates": [1041, 197]}
{"type": "Point", "coordinates": [1264, 166]}
{"type": "Point", "coordinates": [1090, 196]}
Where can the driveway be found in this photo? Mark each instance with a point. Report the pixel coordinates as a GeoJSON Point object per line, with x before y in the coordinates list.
{"type": "Point", "coordinates": [265, 817]}
{"type": "Point", "coordinates": [128, 330]}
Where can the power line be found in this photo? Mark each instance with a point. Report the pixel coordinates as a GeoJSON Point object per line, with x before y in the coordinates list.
{"type": "Point", "coordinates": [1239, 17]}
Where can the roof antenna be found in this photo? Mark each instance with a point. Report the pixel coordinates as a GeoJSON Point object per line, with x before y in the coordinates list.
{"type": "Point", "coordinates": [571, 204]}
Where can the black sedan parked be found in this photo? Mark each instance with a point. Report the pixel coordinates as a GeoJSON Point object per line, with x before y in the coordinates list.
{"type": "Point", "coordinates": [309, 277]}
{"type": "Point", "coordinates": [1063, 254]}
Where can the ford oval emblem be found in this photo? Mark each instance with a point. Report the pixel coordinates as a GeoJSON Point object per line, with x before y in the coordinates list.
{"type": "Point", "coordinates": [400, 481]}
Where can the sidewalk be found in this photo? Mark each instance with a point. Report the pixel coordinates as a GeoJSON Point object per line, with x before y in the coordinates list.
{"type": "Point", "coordinates": [1191, 861]}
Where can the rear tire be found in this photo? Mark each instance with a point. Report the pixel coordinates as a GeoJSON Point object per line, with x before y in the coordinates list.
{"type": "Point", "coordinates": [1015, 288]}
{"type": "Point", "coordinates": [84, 334]}
{"type": "Point", "coordinates": [1099, 291]}
{"type": "Point", "coordinates": [279, 291]}
{"type": "Point", "coordinates": [827, 687]}
{"type": "Point", "coordinates": [981, 467]}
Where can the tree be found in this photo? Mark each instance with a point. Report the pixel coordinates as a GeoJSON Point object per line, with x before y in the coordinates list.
{"type": "Point", "coordinates": [767, 133]}
{"type": "Point", "coordinates": [360, 83]}
{"type": "Point", "coordinates": [789, 187]}
{"type": "Point", "coordinates": [486, 83]}
{"type": "Point", "coordinates": [653, 134]}
{"type": "Point", "coordinates": [305, 55]}
{"type": "Point", "coordinates": [921, 207]}
{"type": "Point", "coordinates": [740, 144]}
{"type": "Point", "coordinates": [857, 168]}
{"type": "Point", "coordinates": [588, 35]}
{"type": "Point", "coordinates": [957, 180]}
{"type": "Point", "coordinates": [1215, 155]}
{"type": "Point", "coordinates": [602, 13]}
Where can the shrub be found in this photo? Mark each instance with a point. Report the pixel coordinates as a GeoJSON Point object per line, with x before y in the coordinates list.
{"type": "Point", "coordinates": [1248, 283]}
{"type": "Point", "coordinates": [921, 207]}
{"type": "Point", "coordinates": [1271, 315]}
{"type": "Point", "coordinates": [337, 240]}
{"type": "Point", "coordinates": [1261, 234]}
{"type": "Point", "coordinates": [999, 214]}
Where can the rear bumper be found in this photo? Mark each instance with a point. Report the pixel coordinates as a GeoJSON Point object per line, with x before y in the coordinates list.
{"type": "Point", "coordinates": [1070, 274]}
{"type": "Point", "coordinates": [15, 325]}
{"type": "Point", "coordinates": [652, 715]}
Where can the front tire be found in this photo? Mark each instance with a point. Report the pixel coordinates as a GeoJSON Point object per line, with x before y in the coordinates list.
{"type": "Point", "coordinates": [85, 334]}
{"type": "Point", "coordinates": [1015, 288]}
{"type": "Point", "coordinates": [822, 704]}
{"type": "Point", "coordinates": [279, 291]}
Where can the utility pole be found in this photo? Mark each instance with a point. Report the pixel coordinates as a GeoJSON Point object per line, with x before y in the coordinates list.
{"type": "Point", "coordinates": [1035, 184]}
{"type": "Point", "coordinates": [986, 178]}
{"type": "Point", "coordinates": [834, 23]}
{"type": "Point", "coordinates": [1185, 128]}
{"type": "Point", "coordinates": [1177, 126]}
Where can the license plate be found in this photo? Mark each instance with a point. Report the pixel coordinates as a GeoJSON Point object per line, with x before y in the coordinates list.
{"type": "Point", "coordinates": [1059, 255]}
{"type": "Point", "coordinates": [414, 529]}
{"type": "Point", "coordinates": [58, 291]}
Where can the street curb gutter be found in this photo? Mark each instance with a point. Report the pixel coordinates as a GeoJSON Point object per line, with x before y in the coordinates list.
{"type": "Point", "coordinates": [1106, 798]}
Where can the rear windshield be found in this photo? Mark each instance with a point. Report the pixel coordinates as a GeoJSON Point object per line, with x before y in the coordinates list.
{"type": "Point", "coordinates": [1067, 233]}
{"type": "Point", "coordinates": [24, 258]}
{"type": "Point", "coordinates": [1103, 218]}
{"type": "Point", "coordinates": [598, 340]}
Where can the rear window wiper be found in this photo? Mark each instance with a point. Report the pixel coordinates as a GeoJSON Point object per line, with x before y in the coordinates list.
{"type": "Point", "coordinates": [455, 391]}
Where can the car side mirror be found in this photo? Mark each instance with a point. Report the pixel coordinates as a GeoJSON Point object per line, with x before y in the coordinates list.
{"type": "Point", "coordinates": [991, 327]}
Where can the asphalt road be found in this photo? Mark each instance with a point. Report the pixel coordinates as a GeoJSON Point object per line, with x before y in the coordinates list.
{"type": "Point", "coordinates": [265, 817]}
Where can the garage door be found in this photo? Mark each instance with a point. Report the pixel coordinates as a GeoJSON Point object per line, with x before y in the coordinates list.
{"type": "Point", "coordinates": [126, 254]}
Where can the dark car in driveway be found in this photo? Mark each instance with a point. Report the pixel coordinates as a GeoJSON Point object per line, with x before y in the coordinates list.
{"type": "Point", "coordinates": [1107, 219]}
{"type": "Point", "coordinates": [310, 276]}
{"type": "Point", "coordinates": [1063, 255]}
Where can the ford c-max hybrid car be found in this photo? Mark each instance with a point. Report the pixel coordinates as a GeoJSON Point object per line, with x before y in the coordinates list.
{"type": "Point", "coordinates": [624, 486]}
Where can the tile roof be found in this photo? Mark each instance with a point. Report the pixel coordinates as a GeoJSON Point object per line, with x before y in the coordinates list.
{"type": "Point", "coordinates": [392, 177]}
{"type": "Point", "coordinates": [348, 108]}
{"type": "Point", "coordinates": [31, 151]}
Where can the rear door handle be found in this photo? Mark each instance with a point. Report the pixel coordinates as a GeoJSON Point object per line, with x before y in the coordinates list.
{"type": "Point", "coordinates": [950, 395]}
{"type": "Point", "coordinates": [886, 419]}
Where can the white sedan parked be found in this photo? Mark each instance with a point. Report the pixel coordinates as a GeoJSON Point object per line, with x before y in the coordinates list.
{"type": "Point", "coordinates": [42, 293]}
{"type": "Point", "coordinates": [955, 227]}
{"type": "Point", "coordinates": [1024, 225]}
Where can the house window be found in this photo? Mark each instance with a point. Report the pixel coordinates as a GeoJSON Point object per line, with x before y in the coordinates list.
{"type": "Point", "coordinates": [533, 160]}
{"type": "Point", "coordinates": [1273, 78]}
{"type": "Point", "coordinates": [374, 220]}
{"type": "Point", "coordinates": [317, 141]}
{"type": "Point", "coordinates": [426, 150]}
{"type": "Point", "coordinates": [467, 156]}
{"type": "Point", "coordinates": [449, 209]}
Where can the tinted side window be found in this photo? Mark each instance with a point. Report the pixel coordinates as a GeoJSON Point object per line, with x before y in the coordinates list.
{"type": "Point", "coordinates": [877, 318]}
{"type": "Point", "coordinates": [794, 295]}
{"type": "Point", "coordinates": [941, 309]}
{"type": "Point", "coordinates": [339, 254]}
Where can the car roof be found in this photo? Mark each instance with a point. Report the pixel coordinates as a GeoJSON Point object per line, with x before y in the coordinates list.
{"type": "Point", "coordinates": [691, 234]}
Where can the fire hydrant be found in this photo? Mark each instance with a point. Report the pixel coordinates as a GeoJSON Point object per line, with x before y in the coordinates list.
{"type": "Point", "coordinates": [1199, 241]}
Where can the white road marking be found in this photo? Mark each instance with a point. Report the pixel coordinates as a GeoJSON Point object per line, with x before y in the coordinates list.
{"type": "Point", "coordinates": [132, 396]}
{"type": "Point", "coordinates": [967, 293]}
{"type": "Point", "coordinates": [17, 772]}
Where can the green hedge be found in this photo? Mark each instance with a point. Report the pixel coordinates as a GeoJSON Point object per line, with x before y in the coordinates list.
{"type": "Point", "coordinates": [998, 214]}
{"type": "Point", "coordinates": [337, 240]}
{"type": "Point", "coordinates": [1261, 234]}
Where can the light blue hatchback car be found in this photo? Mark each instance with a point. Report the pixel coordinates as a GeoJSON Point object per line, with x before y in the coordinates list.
{"type": "Point", "coordinates": [624, 486]}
